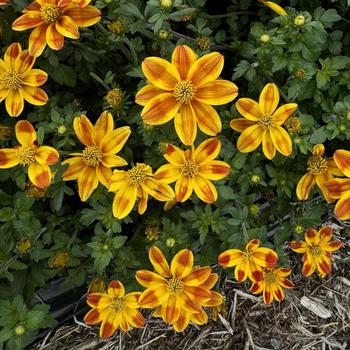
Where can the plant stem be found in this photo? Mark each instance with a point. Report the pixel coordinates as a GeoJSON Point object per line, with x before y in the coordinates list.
{"type": "Point", "coordinates": [132, 50]}
{"type": "Point", "coordinates": [97, 78]}
{"type": "Point", "coordinates": [229, 14]}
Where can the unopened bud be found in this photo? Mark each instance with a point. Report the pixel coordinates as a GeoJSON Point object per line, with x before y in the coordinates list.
{"type": "Point", "coordinates": [299, 21]}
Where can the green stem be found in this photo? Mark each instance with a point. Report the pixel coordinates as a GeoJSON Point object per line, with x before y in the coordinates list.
{"type": "Point", "coordinates": [97, 78]}
{"type": "Point", "coordinates": [345, 20]}
{"type": "Point", "coordinates": [132, 50]}
{"type": "Point", "coordinates": [229, 14]}
{"type": "Point", "coordinates": [245, 232]}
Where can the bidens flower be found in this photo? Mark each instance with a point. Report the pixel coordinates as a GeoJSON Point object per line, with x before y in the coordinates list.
{"type": "Point", "coordinates": [317, 249]}
{"type": "Point", "coordinates": [193, 170]}
{"type": "Point", "coordinates": [137, 182]}
{"type": "Point", "coordinates": [94, 164]}
{"type": "Point", "coordinates": [19, 82]}
{"type": "Point", "coordinates": [53, 20]}
{"type": "Point", "coordinates": [176, 289]}
{"type": "Point", "coordinates": [340, 188]}
{"type": "Point", "coordinates": [38, 158]}
{"type": "Point", "coordinates": [274, 7]}
{"type": "Point", "coordinates": [320, 170]}
{"type": "Point", "coordinates": [185, 89]}
{"type": "Point", "coordinates": [272, 284]}
{"type": "Point", "coordinates": [114, 309]}
{"type": "Point", "coordinates": [249, 263]}
{"type": "Point", "coordinates": [262, 123]}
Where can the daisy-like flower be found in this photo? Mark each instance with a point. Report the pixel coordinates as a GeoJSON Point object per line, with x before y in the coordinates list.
{"type": "Point", "coordinates": [175, 289]}
{"type": "Point", "coordinates": [272, 284]}
{"type": "Point", "coordinates": [94, 164]}
{"type": "Point", "coordinates": [193, 169]}
{"type": "Point", "coordinates": [38, 158]}
{"type": "Point", "coordinates": [19, 81]}
{"type": "Point", "coordinates": [262, 123]}
{"type": "Point", "coordinates": [275, 7]}
{"type": "Point", "coordinates": [317, 249]}
{"type": "Point", "coordinates": [53, 20]}
{"type": "Point", "coordinates": [185, 89]}
{"type": "Point", "coordinates": [340, 188]}
{"type": "Point", "coordinates": [138, 182]}
{"type": "Point", "coordinates": [250, 262]}
{"type": "Point", "coordinates": [114, 309]}
{"type": "Point", "coordinates": [320, 170]}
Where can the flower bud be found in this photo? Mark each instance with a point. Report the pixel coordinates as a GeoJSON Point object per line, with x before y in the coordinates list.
{"type": "Point", "coordinates": [24, 245]}
{"type": "Point", "coordinates": [299, 21]}
{"type": "Point", "coordinates": [163, 34]}
{"type": "Point", "coordinates": [19, 330]}
{"type": "Point", "coordinates": [255, 179]}
{"type": "Point", "coordinates": [116, 26]}
{"type": "Point", "coordinates": [60, 259]}
{"type": "Point", "coordinates": [265, 38]}
{"type": "Point", "coordinates": [170, 242]}
{"type": "Point", "coordinates": [342, 127]}
{"type": "Point", "coordinates": [203, 43]}
{"type": "Point", "coordinates": [97, 285]}
{"type": "Point", "coordinates": [299, 229]}
{"type": "Point", "coordinates": [61, 129]}
{"type": "Point", "coordinates": [166, 4]}
{"type": "Point", "coordinates": [114, 98]}
{"type": "Point", "coordinates": [292, 124]}
{"type": "Point", "coordinates": [152, 232]}
{"type": "Point", "coordinates": [254, 209]}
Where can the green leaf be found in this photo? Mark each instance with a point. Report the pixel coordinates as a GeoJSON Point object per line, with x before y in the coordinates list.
{"type": "Point", "coordinates": [318, 136]}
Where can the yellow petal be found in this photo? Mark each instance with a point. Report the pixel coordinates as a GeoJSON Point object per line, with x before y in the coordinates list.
{"type": "Point", "coordinates": [284, 112]}
{"type": "Point", "coordinates": [305, 185]}
{"type": "Point", "coordinates": [54, 39]}
{"type": "Point", "coordinates": [249, 108]}
{"type": "Point", "coordinates": [214, 170]}
{"type": "Point", "coordinates": [281, 140]}
{"type": "Point", "coordinates": [11, 54]}
{"type": "Point", "coordinates": [240, 124]}
{"type": "Point", "coordinates": [34, 95]}
{"type": "Point", "coordinates": [76, 165]}
{"type": "Point", "coordinates": [87, 182]}
{"type": "Point", "coordinates": [183, 57]}
{"type": "Point", "coordinates": [25, 133]}
{"type": "Point", "coordinates": [167, 173]}
{"type": "Point", "coordinates": [175, 155]}
{"type": "Point", "coordinates": [37, 40]}
{"type": "Point", "coordinates": [124, 201]}
{"type": "Point", "coordinates": [34, 77]}
{"type": "Point", "coordinates": [84, 130]}
{"type": "Point", "coordinates": [145, 94]}
{"type": "Point", "coordinates": [183, 189]}
{"type": "Point", "coordinates": [39, 174]}
{"type": "Point", "coordinates": [217, 92]}
{"type": "Point", "coordinates": [342, 159]}
{"type": "Point", "coordinates": [115, 140]}
{"type": "Point", "coordinates": [186, 124]}
{"type": "Point", "coordinates": [268, 146]}
{"type": "Point", "coordinates": [104, 175]}
{"type": "Point", "coordinates": [269, 99]}
{"type": "Point", "coordinates": [14, 103]}
{"type": "Point", "coordinates": [67, 27]}
{"type": "Point", "coordinates": [102, 127]}
{"type": "Point", "coordinates": [342, 208]}
{"type": "Point", "coordinates": [8, 158]}
{"type": "Point", "coordinates": [182, 263]}
{"type": "Point", "coordinates": [208, 119]}
{"type": "Point", "coordinates": [207, 151]}
{"type": "Point", "coordinates": [84, 17]}
{"type": "Point", "coordinates": [46, 155]}
{"type": "Point", "coordinates": [24, 62]}
{"type": "Point", "coordinates": [250, 139]}
{"type": "Point", "coordinates": [205, 190]}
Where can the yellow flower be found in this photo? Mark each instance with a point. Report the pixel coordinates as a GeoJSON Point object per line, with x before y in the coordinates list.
{"type": "Point", "coordinates": [274, 7]}
{"type": "Point", "coordinates": [262, 123]}
{"type": "Point", "coordinates": [115, 98]}
{"type": "Point", "coordinates": [184, 90]}
{"type": "Point", "coordinates": [193, 169]}
{"type": "Point", "coordinates": [19, 81]}
{"type": "Point", "coordinates": [138, 182]}
{"type": "Point", "coordinates": [317, 249]}
{"type": "Point", "coordinates": [114, 309]}
{"type": "Point", "coordinates": [249, 263]}
{"type": "Point", "coordinates": [272, 284]}
{"type": "Point", "coordinates": [178, 289]}
{"type": "Point", "coordinates": [94, 164]}
{"type": "Point", "coordinates": [53, 20]}
{"type": "Point", "coordinates": [320, 171]}
{"type": "Point", "coordinates": [60, 259]}
{"type": "Point", "coordinates": [38, 158]}
{"type": "Point", "coordinates": [340, 188]}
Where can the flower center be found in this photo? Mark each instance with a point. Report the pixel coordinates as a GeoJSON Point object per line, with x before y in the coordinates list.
{"type": "Point", "coordinates": [50, 13]}
{"type": "Point", "coordinates": [266, 121]}
{"type": "Point", "coordinates": [270, 278]}
{"type": "Point", "coordinates": [12, 80]}
{"type": "Point", "coordinates": [175, 285]}
{"type": "Point", "coordinates": [315, 251]}
{"type": "Point", "coordinates": [92, 155]}
{"type": "Point", "coordinates": [317, 165]}
{"type": "Point", "coordinates": [136, 176]}
{"type": "Point", "coordinates": [184, 91]}
{"type": "Point", "coordinates": [26, 155]}
{"type": "Point", "coordinates": [189, 169]}
{"type": "Point", "coordinates": [117, 304]}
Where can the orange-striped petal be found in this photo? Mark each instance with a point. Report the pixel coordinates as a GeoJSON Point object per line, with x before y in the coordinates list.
{"type": "Point", "coordinates": [39, 174]}
{"type": "Point", "coordinates": [186, 124]}
{"type": "Point", "coordinates": [264, 257]}
{"type": "Point", "coordinates": [143, 200]}
{"type": "Point", "coordinates": [182, 322]}
{"type": "Point", "coordinates": [324, 265]}
{"type": "Point", "coordinates": [250, 139]}
{"type": "Point", "coordinates": [84, 130]}
{"type": "Point", "coordinates": [217, 92]}
{"type": "Point", "coordinates": [159, 262]}
{"type": "Point", "coordinates": [183, 189]}
{"type": "Point", "coordinates": [182, 263]}
{"type": "Point", "coordinates": [167, 173]}
{"type": "Point", "coordinates": [159, 191]}
{"type": "Point", "coordinates": [134, 317]}
{"type": "Point", "coordinates": [3, 93]}
{"type": "Point", "coordinates": [321, 181]}
{"type": "Point", "coordinates": [149, 279]}
{"type": "Point", "coordinates": [331, 246]}
{"type": "Point", "coordinates": [160, 73]}
{"type": "Point", "coordinates": [318, 150]}
{"type": "Point", "coordinates": [240, 124]}
{"type": "Point", "coordinates": [215, 170]}
{"type": "Point", "coordinates": [37, 40]}
{"type": "Point", "coordinates": [268, 145]}
{"type": "Point", "coordinates": [14, 103]}
{"type": "Point", "coordinates": [115, 289]}
{"type": "Point", "coordinates": [241, 270]}
{"type": "Point", "coordinates": [312, 237]}
{"type": "Point", "coordinates": [84, 17]}
{"type": "Point", "coordinates": [98, 300]}
{"type": "Point", "coordinates": [34, 77]}
{"type": "Point", "coordinates": [281, 140]}
{"type": "Point", "coordinates": [309, 267]}
{"type": "Point", "coordinates": [342, 159]}
{"type": "Point", "coordinates": [132, 300]}
{"type": "Point", "coordinates": [299, 247]}
{"type": "Point", "coordinates": [207, 117]}
{"type": "Point", "coordinates": [24, 62]}
{"type": "Point", "coordinates": [252, 245]}
{"type": "Point", "coordinates": [153, 297]}
{"type": "Point", "coordinates": [216, 299]}
{"type": "Point", "coordinates": [267, 295]}
{"type": "Point", "coordinates": [255, 272]}
{"type": "Point", "coordinates": [104, 175]}
{"type": "Point", "coordinates": [67, 27]}
{"type": "Point", "coordinates": [87, 182]}
{"type": "Point", "coordinates": [34, 95]}
{"type": "Point", "coordinates": [205, 190]}
{"type": "Point", "coordinates": [249, 108]}
{"type": "Point", "coordinates": [197, 277]}
{"type": "Point", "coordinates": [230, 257]}
{"type": "Point", "coordinates": [145, 94]}
{"type": "Point", "coordinates": [124, 201]}
{"type": "Point", "coordinates": [46, 155]}
{"type": "Point", "coordinates": [27, 21]}
{"type": "Point", "coordinates": [171, 309]}
{"type": "Point", "coordinates": [305, 185]}
{"type": "Point", "coordinates": [198, 294]}
{"type": "Point", "coordinates": [207, 151]}
{"type": "Point", "coordinates": [110, 324]}
{"type": "Point", "coordinates": [111, 161]}
{"type": "Point", "coordinates": [332, 167]}
{"type": "Point", "coordinates": [8, 158]}
{"type": "Point", "coordinates": [160, 109]}
{"type": "Point", "coordinates": [95, 316]}
{"type": "Point", "coordinates": [114, 141]}
{"type": "Point", "coordinates": [207, 68]}
{"type": "Point", "coordinates": [269, 99]}
{"type": "Point", "coordinates": [284, 112]}
{"type": "Point", "coordinates": [175, 155]}
{"type": "Point", "coordinates": [183, 57]}
{"type": "Point", "coordinates": [325, 233]}
{"type": "Point", "coordinates": [54, 39]}
{"type": "Point", "coordinates": [11, 54]}
{"type": "Point", "coordinates": [103, 126]}
{"type": "Point", "coordinates": [25, 133]}
{"type": "Point", "coordinates": [278, 292]}
{"type": "Point", "coordinates": [76, 165]}
{"type": "Point", "coordinates": [342, 208]}
{"type": "Point", "coordinates": [336, 187]}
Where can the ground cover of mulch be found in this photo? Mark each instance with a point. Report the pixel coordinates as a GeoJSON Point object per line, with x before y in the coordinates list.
{"type": "Point", "coordinates": [315, 315]}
